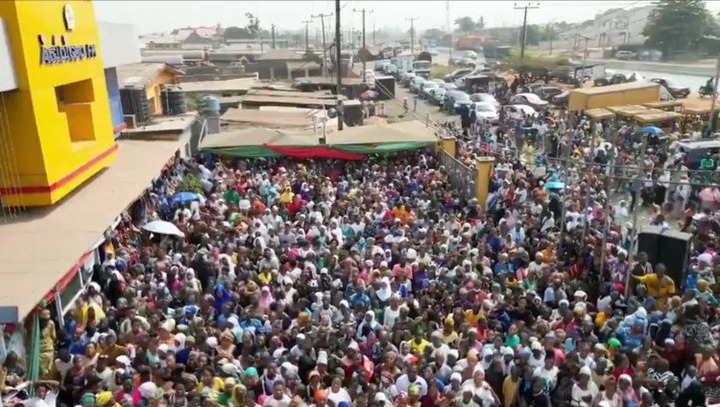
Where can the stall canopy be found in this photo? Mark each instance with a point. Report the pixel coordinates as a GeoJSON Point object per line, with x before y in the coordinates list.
{"type": "Point", "coordinates": [352, 143]}
{"type": "Point", "coordinates": [668, 105]}
{"type": "Point", "coordinates": [655, 117]}
{"type": "Point", "coordinates": [627, 110]}
{"type": "Point", "coordinates": [599, 114]}
{"type": "Point", "coordinates": [276, 119]}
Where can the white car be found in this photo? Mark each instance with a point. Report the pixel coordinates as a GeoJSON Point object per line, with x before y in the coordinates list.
{"type": "Point", "coordinates": [485, 98]}
{"type": "Point", "coordinates": [518, 112]}
{"type": "Point", "coordinates": [486, 112]}
{"type": "Point", "coordinates": [529, 99]}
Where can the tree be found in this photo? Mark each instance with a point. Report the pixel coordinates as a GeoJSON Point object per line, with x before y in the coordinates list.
{"type": "Point", "coordinates": [481, 23]}
{"type": "Point", "coordinates": [465, 24]}
{"type": "Point", "coordinates": [253, 25]}
{"type": "Point", "coordinates": [679, 25]}
{"type": "Point", "coordinates": [533, 35]}
{"type": "Point", "coordinates": [549, 33]}
{"type": "Point", "coordinates": [434, 34]}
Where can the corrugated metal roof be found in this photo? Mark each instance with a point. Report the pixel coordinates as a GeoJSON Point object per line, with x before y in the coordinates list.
{"type": "Point", "coordinates": [142, 73]}
{"type": "Point", "coordinates": [281, 54]}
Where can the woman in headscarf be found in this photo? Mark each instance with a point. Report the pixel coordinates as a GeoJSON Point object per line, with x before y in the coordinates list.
{"type": "Point", "coordinates": [191, 282]}
{"type": "Point", "coordinates": [385, 291]}
{"type": "Point", "coordinates": [266, 298]}
{"type": "Point", "coordinates": [221, 296]}
{"type": "Point", "coordinates": [368, 324]}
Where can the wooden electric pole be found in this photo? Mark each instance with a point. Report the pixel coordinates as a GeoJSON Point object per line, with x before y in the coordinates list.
{"type": "Point", "coordinates": [322, 16]}
{"type": "Point", "coordinates": [364, 45]}
{"type": "Point", "coordinates": [307, 34]}
{"type": "Point", "coordinates": [523, 33]}
{"type": "Point", "coordinates": [338, 71]}
{"type": "Point", "coordinates": [412, 33]}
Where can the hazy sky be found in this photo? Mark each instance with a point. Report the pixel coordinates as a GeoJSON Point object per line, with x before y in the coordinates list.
{"type": "Point", "coordinates": [153, 16]}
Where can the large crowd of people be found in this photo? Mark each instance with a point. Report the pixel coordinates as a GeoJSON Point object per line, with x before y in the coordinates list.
{"type": "Point", "coordinates": [377, 283]}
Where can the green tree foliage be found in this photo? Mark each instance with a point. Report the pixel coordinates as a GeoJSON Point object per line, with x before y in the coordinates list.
{"type": "Point", "coordinates": [549, 33]}
{"type": "Point", "coordinates": [481, 23]}
{"type": "Point", "coordinates": [533, 35]}
{"type": "Point", "coordinates": [434, 34]}
{"type": "Point", "coordinates": [250, 31]}
{"type": "Point", "coordinates": [465, 24]}
{"type": "Point", "coordinates": [679, 25]}
{"type": "Point", "coordinates": [190, 183]}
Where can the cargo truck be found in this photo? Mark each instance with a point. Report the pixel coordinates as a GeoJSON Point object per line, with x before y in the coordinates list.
{"type": "Point", "coordinates": [633, 93]}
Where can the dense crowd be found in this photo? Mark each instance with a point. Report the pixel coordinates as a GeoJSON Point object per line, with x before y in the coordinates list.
{"type": "Point", "coordinates": [377, 283]}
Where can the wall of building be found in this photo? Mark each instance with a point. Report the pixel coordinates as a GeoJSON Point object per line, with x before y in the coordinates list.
{"type": "Point", "coordinates": [120, 44]}
{"type": "Point", "coordinates": [59, 117]}
{"type": "Point", "coordinates": [154, 90]}
{"type": "Point", "coordinates": [8, 81]}
{"type": "Point", "coordinates": [116, 109]}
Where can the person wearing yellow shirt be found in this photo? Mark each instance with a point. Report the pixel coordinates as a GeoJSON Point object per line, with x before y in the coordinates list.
{"type": "Point", "coordinates": [472, 316]}
{"type": "Point", "coordinates": [287, 196]}
{"type": "Point", "coordinates": [510, 386]}
{"type": "Point", "coordinates": [418, 344]}
{"type": "Point", "coordinates": [659, 286]}
{"type": "Point", "coordinates": [265, 277]}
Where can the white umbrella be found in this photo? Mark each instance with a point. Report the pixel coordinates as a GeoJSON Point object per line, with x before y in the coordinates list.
{"type": "Point", "coordinates": [161, 227]}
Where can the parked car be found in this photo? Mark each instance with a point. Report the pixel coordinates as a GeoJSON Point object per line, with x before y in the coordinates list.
{"type": "Point", "coordinates": [561, 99]}
{"type": "Point", "coordinates": [548, 92]}
{"type": "Point", "coordinates": [486, 111]}
{"type": "Point", "coordinates": [448, 86]}
{"type": "Point", "coordinates": [676, 89]}
{"type": "Point", "coordinates": [470, 55]}
{"type": "Point", "coordinates": [426, 87]}
{"type": "Point", "coordinates": [456, 74]}
{"type": "Point", "coordinates": [453, 99]}
{"type": "Point", "coordinates": [485, 98]}
{"type": "Point", "coordinates": [529, 99]}
{"type": "Point", "coordinates": [437, 96]}
{"type": "Point", "coordinates": [625, 55]}
{"type": "Point", "coordinates": [407, 79]}
{"type": "Point", "coordinates": [695, 151]}
{"type": "Point", "coordinates": [518, 112]}
{"type": "Point", "coordinates": [417, 84]}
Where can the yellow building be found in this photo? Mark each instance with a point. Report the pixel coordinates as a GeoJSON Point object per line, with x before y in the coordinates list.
{"type": "Point", "coordinates": [153, 76]}
{"type": "Point", "coordinates": [57, 122]}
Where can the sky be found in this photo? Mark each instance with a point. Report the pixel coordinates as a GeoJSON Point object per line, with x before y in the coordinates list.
{"type": "Point", "coordinates": [158, 16]}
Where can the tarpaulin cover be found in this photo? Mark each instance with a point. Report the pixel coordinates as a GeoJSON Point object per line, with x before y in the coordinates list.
{"type": "Point", "coordinates": [244, 151]}
{"type": "Point", "coordinates": [316, 152]}
{"type": "Point", "coordinates": [381, 148]}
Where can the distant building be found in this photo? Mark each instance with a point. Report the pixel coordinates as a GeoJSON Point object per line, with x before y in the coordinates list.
{"type": "Point", "coordinates": [185, 38]}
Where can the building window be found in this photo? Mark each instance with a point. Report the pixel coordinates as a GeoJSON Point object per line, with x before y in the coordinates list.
{"type": "Point", "coordinates": [74, 101]}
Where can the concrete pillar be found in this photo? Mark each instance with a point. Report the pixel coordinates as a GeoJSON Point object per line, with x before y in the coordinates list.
{"type": "Point", "coordinates": [483, 171]}
{"type": "Point", "coordinates": [448, 145]}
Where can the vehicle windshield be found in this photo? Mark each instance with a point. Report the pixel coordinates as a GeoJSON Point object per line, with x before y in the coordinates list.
{"type": "Point", "coordinates": [484, 108]}
{"type": "Point", "coordinates": [421, 65]}
{"type": "Point", "coordinates": [462, 97]}
{"type": "Point", "coordinates": [430, 85]}
{"type": "Point", "coordinates": [673, 83]}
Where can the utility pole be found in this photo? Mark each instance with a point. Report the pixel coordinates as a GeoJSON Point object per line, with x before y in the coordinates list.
{"type": "Point", "coordinates": [449, 28]}
{"type": "Point", "coordinates": [374, 33]}
{"type": "Point", "coordinates": [412, 33]}
{"type": "Point", "coordinates": [322, 16]}
{"type": "Point", "coordinates": [585, 52]}
{"type": "Point", "coordinates": [523, 33]}
{"type": "Point", "coordinates": [272, 36]}
{"type": "Point", "coordinates": [338, 71]}
{"type": "Point", "coordinates": [363, 11]}
{"type": "Point", "coordinates": [713, 115]}
{"type": "Point", "coordinates": [307, 34]}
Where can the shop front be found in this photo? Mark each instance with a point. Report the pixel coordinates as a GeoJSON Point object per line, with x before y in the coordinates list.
{"type": "Point", "coordinates": [57, 125]}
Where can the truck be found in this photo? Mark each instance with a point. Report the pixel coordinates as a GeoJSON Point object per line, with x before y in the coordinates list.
{"type": "Point", "coordinates": [593, 72]}
{"type": "Point", "coordinates": [633, 93]}
{"type": "Point", "coordinates": [469, 43]}
{"type": "Point", "coordinates": [422, 64]}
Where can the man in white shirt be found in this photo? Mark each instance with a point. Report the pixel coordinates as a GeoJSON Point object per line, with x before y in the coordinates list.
{"type": "Point", "coordinates": [46, 392]}
{"type": "Point", "coordinates": [411, 378]}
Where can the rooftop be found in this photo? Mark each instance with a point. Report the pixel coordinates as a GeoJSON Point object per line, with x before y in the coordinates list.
{"type": "Point", "coordinates": [281, 54]}
{"type": "Point", "coordinates": [164, 124]}
{"type": "Point", "coordinates": [231, 85]}
{"type": "Point", "coordinates": [143, 73]}
{"type": "Point", "coordinates": [64, 232]}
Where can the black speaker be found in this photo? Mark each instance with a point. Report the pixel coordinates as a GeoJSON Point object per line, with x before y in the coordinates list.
{"type": "Point", "coordinates": [385, 86]}
{"type": "Point", "coordinates": [668, 247]}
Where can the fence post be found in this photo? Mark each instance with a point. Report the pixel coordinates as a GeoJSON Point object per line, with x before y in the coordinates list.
{"type": "Point", "coordinates": [448, 145]}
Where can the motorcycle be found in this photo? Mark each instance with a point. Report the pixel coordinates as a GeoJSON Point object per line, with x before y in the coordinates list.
{"type": "Point", "coordinates": [705, 91]}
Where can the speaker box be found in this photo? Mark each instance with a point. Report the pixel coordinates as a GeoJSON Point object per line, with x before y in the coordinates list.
{"type": "Point", "coordinates": [668, 247]}
{"type": "Point", "coordinates": [385, 86]}
{"type": "Point", "coordinates": [352, 113]}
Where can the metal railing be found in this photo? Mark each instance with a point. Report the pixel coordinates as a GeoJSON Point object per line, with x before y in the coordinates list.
{"type": "Point", "coordinates": [462, 178]}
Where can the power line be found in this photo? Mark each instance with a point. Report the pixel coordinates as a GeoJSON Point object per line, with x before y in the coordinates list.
{"type": "Point", "coordinates": [307, 34]}
{"type": "Point", "coordinates": [523, 33]}
{"type": "Point", "coordinates": [363, 11]}
{"type": "Point", "coordinates": [322, 16]}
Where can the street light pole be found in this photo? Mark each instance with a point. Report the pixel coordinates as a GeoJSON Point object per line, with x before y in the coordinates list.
{"type": "Point", "coordinates": [307, 34]}
{"type": "Point", "coordinates": [338, 71]}
{"type": "Point", "coordinates": [523, 33]}
{"type": "Point", "coordinates": [322, 16]}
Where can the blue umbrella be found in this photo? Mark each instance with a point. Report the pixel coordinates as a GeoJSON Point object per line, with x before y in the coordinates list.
{"type": "Point", "coordinates": [182, 197]}
{"type": "Point", "coordinates": [651, 130]}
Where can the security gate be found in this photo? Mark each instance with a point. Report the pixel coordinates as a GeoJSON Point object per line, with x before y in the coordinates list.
{"type": "Point", "coordinates": [462, 177]}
